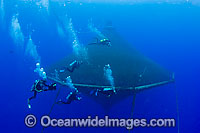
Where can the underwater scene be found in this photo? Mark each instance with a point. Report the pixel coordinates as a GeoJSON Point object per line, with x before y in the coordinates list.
{"type": "Point", "coordinates": [96, 66]}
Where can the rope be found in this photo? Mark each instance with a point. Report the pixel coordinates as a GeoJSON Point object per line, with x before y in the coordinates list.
{"type": "Point", "coordinates": [128, 88]}
{"type": "Point", "coordinates": [55, 100]}
{"type": "Point", "coordinates": [53, 105]}
{"type": "Point", "coordinates": [81, 85]}
{"type": "Point", "coordinates": [177, 109]}
{"type": "Point", "coordinates": [153, 85]}
{"type": "Point", "coordinates": [132, 109]}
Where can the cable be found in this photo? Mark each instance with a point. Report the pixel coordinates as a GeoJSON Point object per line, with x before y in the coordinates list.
{"type": "Point", "coordinates": [53, 105]}
{"type": "Point", "coordinates": [132, 109]}
{"type": "Point", "coordinates": [177, 109]}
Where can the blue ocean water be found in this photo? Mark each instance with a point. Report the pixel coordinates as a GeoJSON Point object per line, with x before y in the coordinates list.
{"type": "Point", "coordinates": [167, 33]}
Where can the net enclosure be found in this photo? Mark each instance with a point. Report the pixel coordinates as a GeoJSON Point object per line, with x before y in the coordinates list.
{"type": "Point", "coordinates": [132, 72]}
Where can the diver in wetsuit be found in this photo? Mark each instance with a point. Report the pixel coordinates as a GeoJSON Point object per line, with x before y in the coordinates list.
{"type": "Point", "coordinates": [40, 86]}
{"type": "Point", "coordinates": [74, 65]}
{"type": "Point", "coordinates": [105, 91]}
{"type": "Point", "coordinates": [102, 42]}
{"type": "Point", "coordinates": [72, 96]}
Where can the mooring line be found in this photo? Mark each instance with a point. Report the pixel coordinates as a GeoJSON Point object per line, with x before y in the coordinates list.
{"type": "Point", "coordinates": [132, 109]}
{"type": "Point", "coordinates": [53, 105]}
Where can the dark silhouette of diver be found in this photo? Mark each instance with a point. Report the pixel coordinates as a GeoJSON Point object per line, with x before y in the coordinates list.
{"type": "Point", "coordinates": [105, 91]}
{"type": "Point", "coordinates": [72, 96]}
{"type": "Point", "coordinates": [102, 42]}
{"type": "Point", "coordinates": [74, 65]}
{"type": "Point", "coordinates": [40, 86]}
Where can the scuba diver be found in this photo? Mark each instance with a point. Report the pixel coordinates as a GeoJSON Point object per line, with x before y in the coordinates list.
{"type": "Point", "coordinates": [40, 86]}
{"type": "Point", "coordinates": [72, 96]}
{"type": "Point", "coordinates": [71, 67]}
{"type": "Point", "coordinates": [74, 65]}
{"type": "Point", "coordinates": [102, 42]}
{"type": "Point", "coordinates": [105, 91]}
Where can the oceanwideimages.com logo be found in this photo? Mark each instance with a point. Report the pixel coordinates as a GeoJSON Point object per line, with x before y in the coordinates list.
{"type": "Point", "coordinates": [47, 121]}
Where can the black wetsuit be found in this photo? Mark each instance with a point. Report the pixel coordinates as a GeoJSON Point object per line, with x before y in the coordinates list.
{"type": "Point", "coordinates": [71, 97]}
{"type": "Point", "coordinates": [102, 42]}
{"type": "Point", "coordinates": [39, 86]}
{"type": "Point", "coordinates": [106, 42]}
{"type": "Point", "coordinates": [106, 91]}
{"type": "Point", "coordinates": [74, 65]}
